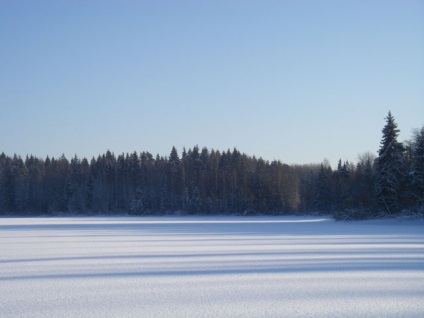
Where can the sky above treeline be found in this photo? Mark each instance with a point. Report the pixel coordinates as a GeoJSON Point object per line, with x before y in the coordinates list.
{"type": "Point", "coordinates": [296, 81]}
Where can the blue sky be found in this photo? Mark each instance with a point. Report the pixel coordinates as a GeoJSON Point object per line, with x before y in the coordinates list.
{"type": "Point", "coordinates": [296, 81]}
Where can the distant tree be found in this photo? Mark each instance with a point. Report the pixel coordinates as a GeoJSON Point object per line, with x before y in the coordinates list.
{"type": "Point", "coordinates": [418, 168]}
{"type": "Point", "coordinates": [136, 205]}
{"type": "Point", "coordinates": [364, 182]}
{"type": "Point", "coordinates": [174, 159]}
{"type": "Point", "coordinates": [3, 159]}
{"type": "Point", "coordinates": [174, 174]}
{"type": "Point", "coordinates": [323, 200]}
{"type": "Point", "coordinates": [21, 185]}
{"type": "Point", "coordinates": [195, 203]}
{"type": "Point", "coordinates": [389, 171]}
{"type": "Point", "coordinates": [8, 186]}
{"type": "Point", "coordinates": [164, 197]}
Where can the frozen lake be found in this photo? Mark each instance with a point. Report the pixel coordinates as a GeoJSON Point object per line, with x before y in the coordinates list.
{"type": "Point", "coordinates": [210, 267]}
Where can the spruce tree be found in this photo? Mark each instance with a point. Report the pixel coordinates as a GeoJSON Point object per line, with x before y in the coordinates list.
{"type": "Point", "coordinates": [389, 169]}
{"type": "Point", "coordinates": [418, 168]}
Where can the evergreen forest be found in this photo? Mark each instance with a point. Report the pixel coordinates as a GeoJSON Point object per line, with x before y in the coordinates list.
{"type": "Point", "coordinates": [201, 181]}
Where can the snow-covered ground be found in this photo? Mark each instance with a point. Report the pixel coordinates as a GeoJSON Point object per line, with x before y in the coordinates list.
{"type": "Point", "coordinates": [210, 267]}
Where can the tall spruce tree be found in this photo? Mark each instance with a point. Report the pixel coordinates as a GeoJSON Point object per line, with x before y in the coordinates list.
{"type": "Point", "coordinates": [389, 169]}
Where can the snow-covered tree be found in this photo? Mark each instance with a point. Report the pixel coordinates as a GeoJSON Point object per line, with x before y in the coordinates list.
{"type": "Point", "coordinates": [418, 167]}
{"type": "Point", "coordinates": [389, 166]}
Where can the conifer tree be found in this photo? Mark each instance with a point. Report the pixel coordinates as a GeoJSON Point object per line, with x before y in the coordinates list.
{"type": "Point", "coordinates": [389, 168]}
{"type": "Point", "coordinates": [418, 168]}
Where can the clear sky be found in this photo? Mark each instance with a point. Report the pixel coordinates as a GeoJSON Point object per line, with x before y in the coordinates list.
{"type": "Point", "coordinates": [296, 81]}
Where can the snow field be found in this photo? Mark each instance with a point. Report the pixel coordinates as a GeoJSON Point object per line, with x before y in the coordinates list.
{"type": "Point", "coordinates": [210, 267]}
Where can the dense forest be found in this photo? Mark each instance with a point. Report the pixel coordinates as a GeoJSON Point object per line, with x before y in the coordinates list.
{"type": "Point", "coordinates": [203, 181]}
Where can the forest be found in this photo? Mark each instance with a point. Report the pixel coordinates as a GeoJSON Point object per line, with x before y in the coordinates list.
{"type": "Point", "coordinates": [206, 182]}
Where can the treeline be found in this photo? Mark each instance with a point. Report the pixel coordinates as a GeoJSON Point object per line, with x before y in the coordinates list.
{"type": "Point", "coordinates": [203, 181]}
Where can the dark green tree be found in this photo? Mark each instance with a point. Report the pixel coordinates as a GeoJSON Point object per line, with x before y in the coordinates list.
{"type": "Point", "coordinates": [389, 169]}
{"type": "Point", "coordinates": [418, 168]}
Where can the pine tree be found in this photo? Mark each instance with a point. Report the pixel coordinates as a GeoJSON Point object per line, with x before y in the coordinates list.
{"type": "Point", "coordinates": [389, 169]}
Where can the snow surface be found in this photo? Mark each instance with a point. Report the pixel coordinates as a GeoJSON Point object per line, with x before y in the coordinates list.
{"type": "Point", "coordinates": [210, 267]}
